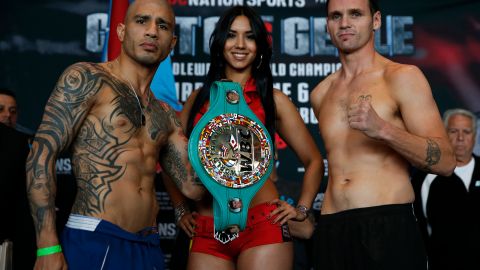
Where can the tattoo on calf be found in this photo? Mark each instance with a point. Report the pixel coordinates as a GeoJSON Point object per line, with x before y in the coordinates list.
{"type": "Point", "coordinates": [433, 154]}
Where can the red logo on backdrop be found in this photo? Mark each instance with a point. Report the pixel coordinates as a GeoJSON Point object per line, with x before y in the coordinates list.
{"type": "Point", "coordinates": [178, 2]}
{"type": "Point", "coordinates": [269, 27]}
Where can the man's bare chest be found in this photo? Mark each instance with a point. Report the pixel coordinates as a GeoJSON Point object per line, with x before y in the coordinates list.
{"type": "Point", "coordinates": [339, 100]}
{"type": "Point", "coordinates": [118, 118]}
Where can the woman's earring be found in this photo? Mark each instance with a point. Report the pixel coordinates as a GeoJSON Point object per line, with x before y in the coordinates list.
{"type": "Point", "coordinates": [260, 63]}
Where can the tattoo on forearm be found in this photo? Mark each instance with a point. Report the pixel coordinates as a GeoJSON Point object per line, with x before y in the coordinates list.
{"type": "Point", "coordinates": [433, 154]}
{"type": "Point", "coordinates": [197, 181]}
{"type": "Point", "coordinates": [39, 193]}
{"type": "Point", "coordinates": [173, 164]}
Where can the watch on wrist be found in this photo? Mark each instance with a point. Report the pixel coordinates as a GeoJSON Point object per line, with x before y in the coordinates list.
{"type": "Point", "coordinates": [303, 209]}
{"type": "Point", "coordinates": [180, 210]}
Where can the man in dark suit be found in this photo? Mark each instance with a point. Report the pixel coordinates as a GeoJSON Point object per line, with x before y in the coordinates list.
{"type": "Point", "coordinates": [17, 224]}
{"type": "Point", "coordinates": [8, 108]}
{"type": "Point", "coordinates": [447, 208]}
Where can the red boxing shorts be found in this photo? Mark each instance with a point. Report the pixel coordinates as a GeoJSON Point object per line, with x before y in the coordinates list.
{"type": "Point", "coordinates": [259, 231]}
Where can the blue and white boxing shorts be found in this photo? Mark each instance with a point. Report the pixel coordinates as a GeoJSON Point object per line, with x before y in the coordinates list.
{"type": "Point", "coordinates": [92, 243]}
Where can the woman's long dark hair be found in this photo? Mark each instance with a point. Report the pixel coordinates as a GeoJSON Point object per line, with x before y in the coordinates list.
{"type": "Point", "coordinates": [261, 71]}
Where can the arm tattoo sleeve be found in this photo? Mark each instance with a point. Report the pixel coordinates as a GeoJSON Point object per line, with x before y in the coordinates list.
{"type": "Point", "coordinates": [65, 110]}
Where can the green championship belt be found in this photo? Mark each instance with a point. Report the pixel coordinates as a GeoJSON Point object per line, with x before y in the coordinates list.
{"type": "Point", "coordinates": [231, 151]}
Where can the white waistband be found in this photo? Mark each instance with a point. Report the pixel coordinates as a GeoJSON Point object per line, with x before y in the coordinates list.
{"type": "Point", "coordinates": [82, 222]}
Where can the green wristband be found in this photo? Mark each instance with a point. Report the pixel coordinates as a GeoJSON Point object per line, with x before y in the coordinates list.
{"type": "Point", "coordinates": [49, 250]}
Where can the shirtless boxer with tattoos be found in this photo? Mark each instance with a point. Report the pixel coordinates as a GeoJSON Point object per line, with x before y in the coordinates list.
{"type": "Point", "coordinates": [117, 131]}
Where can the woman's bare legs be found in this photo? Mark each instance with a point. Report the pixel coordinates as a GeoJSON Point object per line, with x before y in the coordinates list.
{"type": "Point", "coordinates": [203, 261]}
{"type": "Point", "coordinates": [267, 257]}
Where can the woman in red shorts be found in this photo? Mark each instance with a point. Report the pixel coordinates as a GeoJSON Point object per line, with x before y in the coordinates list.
{"type": "Point", "coordinates": [240, 51]}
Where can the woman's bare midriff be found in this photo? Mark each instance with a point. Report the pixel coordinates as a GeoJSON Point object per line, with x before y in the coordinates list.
{"type": "Point", "coordinates": [266, 194]}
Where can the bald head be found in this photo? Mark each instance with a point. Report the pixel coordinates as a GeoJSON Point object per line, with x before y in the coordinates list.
{"type": "Point", "coordinates": [132, 8]}
{"type": "Point", "coordinates": [147, 34]}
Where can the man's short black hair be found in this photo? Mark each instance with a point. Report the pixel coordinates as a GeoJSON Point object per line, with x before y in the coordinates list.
{"type": "Point", "coordinates": [373, 4]}
{"type": "Point", "coordinates": [4, 91]}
